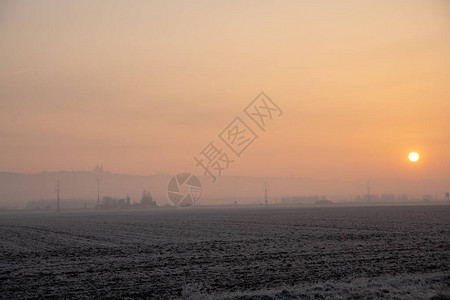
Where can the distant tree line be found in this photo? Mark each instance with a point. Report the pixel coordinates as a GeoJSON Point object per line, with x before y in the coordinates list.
{"type": "Point", "coordinates": [50, 204]}
{"type": "Point", "coordinates": [367, 198]}
{"type": "Point", "coordinates": [314, 199]}
{"type": "Point", "coordinates": [107, 202]}
{"type": "Point", "coordinates": [147, 201]}
{"type": "Point", "coordinates": [383, 198]}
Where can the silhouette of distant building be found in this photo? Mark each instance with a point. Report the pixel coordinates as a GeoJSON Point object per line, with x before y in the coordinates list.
{"type": "Point", "coordinates": [387, 198]}
{"type": "Point", "coordinates": [98, 168]}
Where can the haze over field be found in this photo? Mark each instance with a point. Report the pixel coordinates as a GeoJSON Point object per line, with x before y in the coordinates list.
{"type": "Point", "coordinates": [78, 188]}
{"type": "Point", "coordinates": [145, 87]}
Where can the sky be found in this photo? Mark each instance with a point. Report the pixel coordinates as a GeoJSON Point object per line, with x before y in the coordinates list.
{"type": "Point", "coordinates": [144, 86]}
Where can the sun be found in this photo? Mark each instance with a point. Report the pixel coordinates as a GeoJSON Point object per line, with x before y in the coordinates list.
{"type": "Point", "coordinates": [413, 156]}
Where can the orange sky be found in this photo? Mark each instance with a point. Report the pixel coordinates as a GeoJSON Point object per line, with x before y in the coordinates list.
{"type": "Point", "coordinates": [145, 87]}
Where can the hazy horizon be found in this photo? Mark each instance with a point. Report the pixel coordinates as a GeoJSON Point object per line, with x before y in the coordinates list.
{"type": "Point", "coordinates": [145, 87]}
{"type": "Point", "coordinates": [19, 190]}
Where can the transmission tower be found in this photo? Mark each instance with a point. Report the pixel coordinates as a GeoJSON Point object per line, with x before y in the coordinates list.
{"type": "Point", "coordinates": [98, 193]}
{"type": "Point", "coordinates": [265, 194]}
{"type": "Point", "coordinates": [57, 195]}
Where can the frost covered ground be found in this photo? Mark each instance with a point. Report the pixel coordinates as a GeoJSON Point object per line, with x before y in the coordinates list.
{"type": "Point", "coordinates": [387, 252]}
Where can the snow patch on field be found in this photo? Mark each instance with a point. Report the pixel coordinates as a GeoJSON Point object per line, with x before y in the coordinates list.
{"type": "Point", "coordinates": [407, 286]}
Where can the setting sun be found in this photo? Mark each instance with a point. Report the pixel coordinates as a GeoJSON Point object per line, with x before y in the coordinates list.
{"type": "Point", "coordinates": [413, 156]}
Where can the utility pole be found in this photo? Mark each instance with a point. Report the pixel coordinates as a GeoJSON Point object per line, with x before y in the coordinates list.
{"type": "Point", "coordinates": [448, 196]}
{"type": "Point", "coordinates": [98, 193]}
{"type": "Point", "coordinates": [368, 191]}
{"type": "Point", "coordinates": [57, 195]}
{"type": "Point", "coordinates": [265, 193]}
